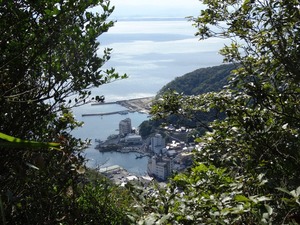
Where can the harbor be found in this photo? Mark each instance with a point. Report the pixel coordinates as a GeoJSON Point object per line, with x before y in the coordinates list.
{"type": "Point", "coordinates": [133, 105]}
{"type": "Point", "coordinates": [141, 105]}
{"type": "Point", "coordinates": [119, 143]}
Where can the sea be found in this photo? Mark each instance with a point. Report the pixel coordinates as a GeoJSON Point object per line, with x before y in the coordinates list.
{"type": "Point", "coordinates": [152, 52]}
{"type": "Point", "coordinates": [99, 128]}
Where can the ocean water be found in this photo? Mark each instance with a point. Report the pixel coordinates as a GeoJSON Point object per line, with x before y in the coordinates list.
{"type": "Point", "coordinates": [100, 127]}
{"type": "Point", "coordinates": [152, 53]}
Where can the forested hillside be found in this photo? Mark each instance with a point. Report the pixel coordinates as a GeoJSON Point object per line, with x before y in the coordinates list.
{"type": "Point", "coordinates": [247, 171]}
{"type": "Point", "coordinates": [201, 80]}
{"type": "Point", "coordinates": [49, 53]}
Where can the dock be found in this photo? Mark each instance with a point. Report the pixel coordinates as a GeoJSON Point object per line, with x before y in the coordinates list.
{"type": "Point", "coordinates": [104, 103]}
{"type": "Point", "coordinates": [123, 112]}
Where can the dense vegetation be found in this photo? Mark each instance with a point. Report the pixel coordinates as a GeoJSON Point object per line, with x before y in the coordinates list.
{"type": "Point", "coordinates": [248, 169]}
{"type": "Point", "coordinates": [48, 63]}
{"type": "Point", "coordinates": [200, 81]}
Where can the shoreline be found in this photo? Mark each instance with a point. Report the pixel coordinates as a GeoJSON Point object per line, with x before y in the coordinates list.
{"type": "Point", "coordinates": [142, 105]}
{"type": "Point", "coordinates": [121, 149]}
{"type": "Point", "coordinates": [141, 154]}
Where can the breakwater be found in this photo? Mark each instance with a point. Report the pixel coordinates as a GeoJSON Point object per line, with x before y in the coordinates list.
{"type": "Point", "coordinates": [123, 112]}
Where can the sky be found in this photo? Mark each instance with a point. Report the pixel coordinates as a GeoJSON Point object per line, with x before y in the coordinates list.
{"type": "Point", "coordinates": [156, 8]}
{"type": "Point", "coordinates": [154, 51]}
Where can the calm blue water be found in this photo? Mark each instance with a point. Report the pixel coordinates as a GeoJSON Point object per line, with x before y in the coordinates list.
{"type": "Point", "coordinates": [100, 127]}
{"type": "Point", "coordinates": [153, 53]}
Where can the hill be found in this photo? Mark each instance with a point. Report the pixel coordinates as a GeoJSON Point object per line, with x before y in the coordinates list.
{"type": "Point", "coordinates": [194, 83]}
{"type": "Point", "coordinates": [201, 80]}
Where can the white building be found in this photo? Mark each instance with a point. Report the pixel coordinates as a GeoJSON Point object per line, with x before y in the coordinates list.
{"type": "Point", "coordinates": [160, 168]}
{"type": "Point", "coordinates": [125, 127]}
{"type": "Point", "coordinates": [157, 144]}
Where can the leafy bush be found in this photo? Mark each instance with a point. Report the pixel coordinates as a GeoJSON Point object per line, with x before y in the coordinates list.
{"type": "Point", "coordinates": [48, 63]}
{"type": "Point", "coordinates": [248, 169]}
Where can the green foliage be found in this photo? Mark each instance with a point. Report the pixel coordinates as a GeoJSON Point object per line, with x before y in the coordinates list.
{"type": "Point", "coordinates": [167, 108]}
{"type": "Point", "coordinates": [17, 142]}
{"type": "Point", "coordinates": [148, 127]}
{"type": "Point", "coordinates": [207, 194]}
{"type": "Point", "coordinates": [247, 171]}
{"type": "Point", "coordinates": [49, 61]}
{"type": "Point", "coordinates": [188, 111]}
{"type": "Point", "coordinates": [101, 202]}
{"type": "Point", "coordinates": [200, 81]}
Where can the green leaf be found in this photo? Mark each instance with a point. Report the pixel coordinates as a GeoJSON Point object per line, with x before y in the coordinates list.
{"type": "Point", "coordinates": [269, 209]}
{"type": "Point", "coordinates": [241, 198]}
{"type": "Point", "coordinates": [14, 142]}
{"type": "Point", "coordinates": [163, 219]}
{"type": "Point", "coordinates": [284, 190]}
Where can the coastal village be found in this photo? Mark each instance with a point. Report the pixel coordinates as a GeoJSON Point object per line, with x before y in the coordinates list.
{"type": "Point", "coordinates": [164, 158]}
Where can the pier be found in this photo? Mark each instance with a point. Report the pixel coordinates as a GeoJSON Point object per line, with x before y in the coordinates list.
{"type": "Point", "coordinates": [123, 112]}
{"type": "Point", "coordinates": [104, 103]}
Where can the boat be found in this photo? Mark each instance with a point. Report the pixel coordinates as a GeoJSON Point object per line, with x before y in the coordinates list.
{"type": "Point", "coordinates": [139, 156]}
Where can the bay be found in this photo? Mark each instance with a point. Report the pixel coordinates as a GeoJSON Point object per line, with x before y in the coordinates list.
{"type": "Point", "coordinates": [100, 127]}
{"type": "Point", "coordinates": [152, 53]}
